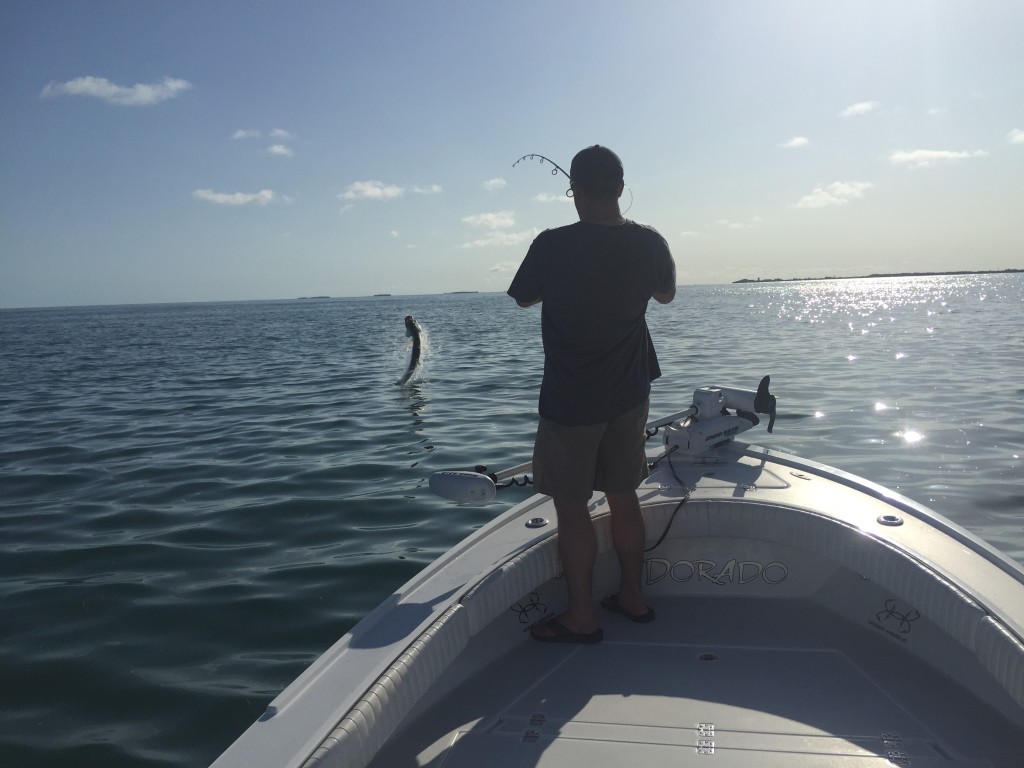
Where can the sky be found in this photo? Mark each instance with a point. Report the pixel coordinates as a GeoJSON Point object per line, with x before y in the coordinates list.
{"type": "Point", "coordinates": [217, 151]}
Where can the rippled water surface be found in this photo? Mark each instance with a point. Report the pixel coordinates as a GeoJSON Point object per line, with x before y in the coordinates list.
{"type": "Point", "coordinates": [198, 499]}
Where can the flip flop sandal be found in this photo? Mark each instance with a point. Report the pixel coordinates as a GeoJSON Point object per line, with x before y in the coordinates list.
{"type": "Point", "coordinates": [611, 603]}
{"type": "Point", "coordinates": [562, 634]}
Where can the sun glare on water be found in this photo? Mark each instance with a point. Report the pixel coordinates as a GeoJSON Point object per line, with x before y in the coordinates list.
{"type": "Point", "coordinates": [910, 436]}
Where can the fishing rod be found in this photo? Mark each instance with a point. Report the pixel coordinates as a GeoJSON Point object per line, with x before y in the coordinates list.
{"type": "Point", "coordinates": [554, 172]}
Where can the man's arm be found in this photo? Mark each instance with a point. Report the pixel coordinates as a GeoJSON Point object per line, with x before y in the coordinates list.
{"type": "Point", "coordinates": [665, 298]}
{"type": "Point", "coordinates": [528, 285]}
{"type": "Point", "coordinates": [668, 290]}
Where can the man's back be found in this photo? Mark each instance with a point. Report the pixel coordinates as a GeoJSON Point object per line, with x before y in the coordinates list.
{"type": "Point", "coordinates": [595, 281]}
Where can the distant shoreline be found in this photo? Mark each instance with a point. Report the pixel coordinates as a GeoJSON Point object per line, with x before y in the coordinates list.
{"type": "Point", "coordinates": [865, 277]}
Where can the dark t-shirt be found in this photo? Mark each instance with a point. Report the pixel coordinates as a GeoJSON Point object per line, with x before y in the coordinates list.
{"type": "Point", "coordinates": [595, 281]}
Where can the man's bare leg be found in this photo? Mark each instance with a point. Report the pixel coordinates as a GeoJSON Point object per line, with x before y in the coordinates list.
{"type": "Point", "coordinates": [577, 546]}
{"type": "Point", "coordinates": [629, 537]}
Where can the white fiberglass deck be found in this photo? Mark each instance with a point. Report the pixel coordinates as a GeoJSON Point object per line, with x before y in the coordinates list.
{"type": "Point", "coordinates": [693, 688]}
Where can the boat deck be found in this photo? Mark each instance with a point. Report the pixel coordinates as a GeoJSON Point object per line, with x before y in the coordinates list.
{"type": "Point", "coordinates": [691, 689]}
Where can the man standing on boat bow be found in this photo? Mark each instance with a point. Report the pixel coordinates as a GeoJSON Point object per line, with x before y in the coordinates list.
{"type": "Point", "coordinates": [595, 278]}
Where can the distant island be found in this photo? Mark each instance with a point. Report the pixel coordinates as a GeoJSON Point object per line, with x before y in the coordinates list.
{"type": "Point", "coordinates": [455, 293]}
{"type": "Point", "coordinates": [380, 295]}
{"type": "Point", "coordinates": [309, 298]}
{"type": "Point", "coordinates": [865, 277]}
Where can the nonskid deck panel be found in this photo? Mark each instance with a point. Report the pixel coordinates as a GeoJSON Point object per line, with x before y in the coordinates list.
{"type": "Point", "coordinates": [813, 692]}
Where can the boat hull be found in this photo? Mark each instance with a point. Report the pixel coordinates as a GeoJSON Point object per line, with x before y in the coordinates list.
{"type": "Point", "coordinates": [805, 617]}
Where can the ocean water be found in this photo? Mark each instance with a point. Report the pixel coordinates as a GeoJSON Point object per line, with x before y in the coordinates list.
{"type": "Point", "coordinates": [198, 499]}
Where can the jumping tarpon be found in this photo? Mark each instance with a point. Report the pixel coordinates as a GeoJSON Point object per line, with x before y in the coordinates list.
{"type": "Point", "coordinates": [412, 330]}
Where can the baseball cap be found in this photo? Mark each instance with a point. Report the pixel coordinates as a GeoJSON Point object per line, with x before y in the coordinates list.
{"type": "Point", "coordinates": [597, 169]}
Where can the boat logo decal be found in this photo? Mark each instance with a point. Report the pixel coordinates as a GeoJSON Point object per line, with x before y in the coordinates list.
{"type": "Point", "coordinates": [527, 607]}
{"type": "Point", "coordinates": [731, 572]}
{"type": "Point", "coordinates": [892, 740]}
{"type": "Point", "coordinates": [705, 738]}
{"type": "Point", "coordinates": [895, 618]}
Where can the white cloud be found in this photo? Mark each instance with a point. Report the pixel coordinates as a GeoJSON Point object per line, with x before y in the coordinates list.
{"type": "Point", "coordinates": [276, 134]}
{"type": "Point", "coordinates": [923, 158]}
{"type": "Point", "coordinates": [503, 238]}
{"type": "Point", "coordinates": [378, 190]}
{"type": "Point", "coordinates": [138, 95]}
{"type": "Point", "coordinates": [729, 224]}
{"type": "Point", "coordinates": [372, 190]}
{"type": "Point", "coordinates": [937, 112]}
{"type": "Point", "coordinates": [689, 233]}
{"type": "Point", "coordinates": [795, 143]}
{"type": "Point", "coordinates": [544, 197]}
{"type": "Point", "coordinates": [860, 108]}
{"type": "Point", "coordinates": [234, 198]}
{"type": "Point", "coordinates": [1016, 136]}
{"type": "Point", "coordinates": [394, 233]}
{"type": "Point", "coordinates": [496, 220]}
{"type": "Point", "coordinates": [494, 184]}
{"type": "Point", "coordinates": [503, 267]}
{"type": "Point", "coordinates": [282, 150]}
{"type": "Point", "coordinates": [837, 193]}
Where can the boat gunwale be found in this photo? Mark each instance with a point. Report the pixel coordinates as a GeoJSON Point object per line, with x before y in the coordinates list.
{"type": "Point", "coordinates": [905, 504]}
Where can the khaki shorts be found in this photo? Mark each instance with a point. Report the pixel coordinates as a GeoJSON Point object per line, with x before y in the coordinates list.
{"type": "Point", "coordinates": [572, 462]}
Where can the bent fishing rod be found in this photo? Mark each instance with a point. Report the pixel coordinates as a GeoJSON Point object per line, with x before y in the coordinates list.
{"type": "Point", "coordinates": [557, 168]}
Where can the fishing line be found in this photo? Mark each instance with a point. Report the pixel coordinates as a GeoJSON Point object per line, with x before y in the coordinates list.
{"type": "Point", "coordinates": [554, 172]}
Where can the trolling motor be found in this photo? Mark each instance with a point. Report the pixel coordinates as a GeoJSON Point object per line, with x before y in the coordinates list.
{"type": "Point", "coordinates": [704, 425]}
{"type": "Point", "coordinates": [708, 424]}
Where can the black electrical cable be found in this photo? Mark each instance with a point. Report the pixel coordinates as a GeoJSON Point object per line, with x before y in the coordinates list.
{"type": "Point", "coordinates": [513, 481]}
{"type": "Point", "coordinates": [686, 496]}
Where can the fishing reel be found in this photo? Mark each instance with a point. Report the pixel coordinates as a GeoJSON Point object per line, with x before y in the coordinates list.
{"type": "Point", "coordinates": [708, 423]}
